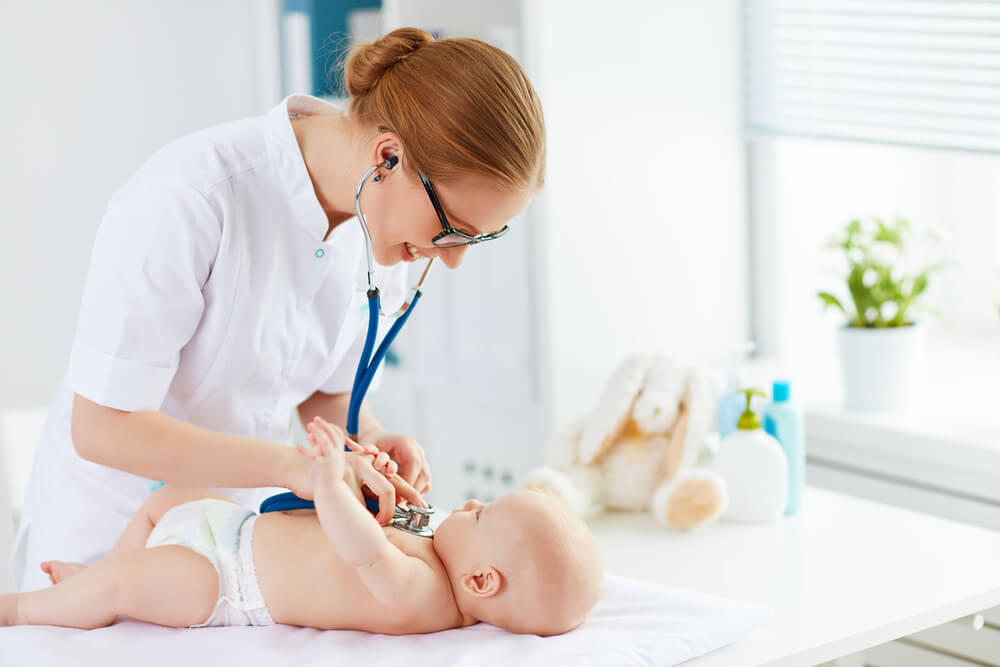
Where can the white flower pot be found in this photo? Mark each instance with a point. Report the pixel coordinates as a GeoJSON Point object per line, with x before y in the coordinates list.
{"type": "Point", "coordinates": [881, 367]}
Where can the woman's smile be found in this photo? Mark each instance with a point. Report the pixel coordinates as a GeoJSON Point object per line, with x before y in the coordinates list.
{"type": "Point", "coordinates": [411, 252]}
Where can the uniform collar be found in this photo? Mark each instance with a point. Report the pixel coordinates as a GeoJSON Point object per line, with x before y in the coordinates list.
{"type": "Point", "coordinates": [346, 241]}
{"type": "Point", "coordinates": [305, 206]}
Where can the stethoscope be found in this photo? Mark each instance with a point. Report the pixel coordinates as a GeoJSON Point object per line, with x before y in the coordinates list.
{"type": "Point", "coordinates": [411, 519]}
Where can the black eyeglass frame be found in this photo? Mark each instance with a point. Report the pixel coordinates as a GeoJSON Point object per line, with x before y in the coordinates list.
{"type": "Point", "coordinates": [448, 229]}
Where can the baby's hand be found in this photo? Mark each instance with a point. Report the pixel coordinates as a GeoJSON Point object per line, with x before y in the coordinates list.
{"type": "Point", "coordinates": [383, 463]}
{"type": "Point", "coordinates": [327, 453]}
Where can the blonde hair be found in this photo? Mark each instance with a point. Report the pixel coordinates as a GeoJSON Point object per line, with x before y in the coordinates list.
{"type": "Point", "coordinates": [459, 105]}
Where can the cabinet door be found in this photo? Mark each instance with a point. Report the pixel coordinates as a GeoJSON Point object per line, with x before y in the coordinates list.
{"type": "Point", "coordinates": [878, 486]}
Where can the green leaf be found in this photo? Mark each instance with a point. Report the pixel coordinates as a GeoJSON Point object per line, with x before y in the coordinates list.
{"type": "Point", "coordinates": [830, 300]}
{"type": "Point", "coordinates": [919, 285]}
{"type": "Point", "coordinates": [934, 268]}
{"type": "Point", "coordinates": [891, 233]}
{"type": "Point", "coordinates": [852, 230]}
{"type": "Point", "coordinates": [860, 294]}
{"type": "Point", "coordinates": [936, 312]}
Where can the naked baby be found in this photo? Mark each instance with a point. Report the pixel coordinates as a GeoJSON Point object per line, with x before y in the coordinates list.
{"type": "Point", "coordinates": [190, 558]}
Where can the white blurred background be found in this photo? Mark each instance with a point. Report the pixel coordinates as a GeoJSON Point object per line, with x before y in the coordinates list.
{"type": "Point", "coordinates": [672, 221]}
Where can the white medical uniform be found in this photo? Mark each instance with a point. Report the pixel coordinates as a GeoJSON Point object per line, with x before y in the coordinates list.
{"type": "Point", "coordinates": [211, 297]}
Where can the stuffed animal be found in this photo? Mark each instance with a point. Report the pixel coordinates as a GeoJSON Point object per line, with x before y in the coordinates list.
{"type": "Point", "coordinates": [641, 447]}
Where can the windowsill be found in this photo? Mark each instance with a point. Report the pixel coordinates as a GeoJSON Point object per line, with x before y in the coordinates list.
{"type": "Point", "coordinates": [949, 438]}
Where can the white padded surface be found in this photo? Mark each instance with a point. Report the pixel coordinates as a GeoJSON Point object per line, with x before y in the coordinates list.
{"type": "Point", "coordinates": [633, 624]}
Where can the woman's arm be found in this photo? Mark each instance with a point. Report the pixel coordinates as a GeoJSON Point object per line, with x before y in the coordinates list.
{"type": "Point", "coordinates": [333, 408]}
{"type": "Point", "coordinates": [153, 445]}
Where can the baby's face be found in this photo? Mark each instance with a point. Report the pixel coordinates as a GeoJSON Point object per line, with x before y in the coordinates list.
{"type": "Point", "coordinates": [468, 529]}
{"type": "Point", "coordinates": [480, 530]}
{"type": "Point", "coordinates": [524, 562]}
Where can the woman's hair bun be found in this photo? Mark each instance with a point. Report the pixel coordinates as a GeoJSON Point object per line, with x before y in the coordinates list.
{"type": "Point", "coordinates": [366, 64]}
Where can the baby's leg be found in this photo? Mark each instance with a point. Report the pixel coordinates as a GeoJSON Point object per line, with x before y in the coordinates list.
{"type": "Point", "coordinates": [139, 526]}
{"type": "Point", "coordinates": [168, 585]}
{"type": "Point", "coordinates": [60, 569]}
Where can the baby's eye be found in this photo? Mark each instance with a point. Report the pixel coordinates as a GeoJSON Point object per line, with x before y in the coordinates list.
{"type": "Point", "coordinates": [477, 514]}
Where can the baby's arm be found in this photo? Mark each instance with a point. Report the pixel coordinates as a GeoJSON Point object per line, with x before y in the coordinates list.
{"type": "Point", "coordinates": [357, 537]}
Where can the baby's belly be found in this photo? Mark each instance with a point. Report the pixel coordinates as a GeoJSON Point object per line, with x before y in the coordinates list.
{"type": "Point", "coordinates": [304, 581]}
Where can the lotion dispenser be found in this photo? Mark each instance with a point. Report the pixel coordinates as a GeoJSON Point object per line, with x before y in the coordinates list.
{"type": "Point", "coordinates": [755, 469]}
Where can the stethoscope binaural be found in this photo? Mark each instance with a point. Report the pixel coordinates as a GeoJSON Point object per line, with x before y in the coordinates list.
{"type": "Point", "coordinates": [411, 519]}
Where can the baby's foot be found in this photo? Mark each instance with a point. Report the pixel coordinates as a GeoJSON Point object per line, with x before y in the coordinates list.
{"type": "Point", "coordinates": [59, 570]}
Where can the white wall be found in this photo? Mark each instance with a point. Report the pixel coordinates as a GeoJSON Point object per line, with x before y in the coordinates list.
{"type": "Point", "coordinates": [644, 239]}
{"type": "Point", "coordinates": [89, 91]}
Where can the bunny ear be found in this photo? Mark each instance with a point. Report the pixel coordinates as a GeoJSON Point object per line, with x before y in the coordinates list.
{"type": "Point", "coordinates": [605, 423]}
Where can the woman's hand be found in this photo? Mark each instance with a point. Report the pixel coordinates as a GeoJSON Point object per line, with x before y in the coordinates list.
{"type": "Point", "coordinates": [376, 473]}
{"type": "Point", "coordinates": [298, 472]}
{"type": "Point", "coordinates": [408, 455]}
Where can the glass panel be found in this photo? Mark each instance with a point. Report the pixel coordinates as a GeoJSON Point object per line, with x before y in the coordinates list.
{"type": "Point", "coordinates": [451, 240]}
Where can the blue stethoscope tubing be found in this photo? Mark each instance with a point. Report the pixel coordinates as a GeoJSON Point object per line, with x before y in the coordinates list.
{"type": "Point", "coordinates": [363, 377]}
{"type": "Point", "coordinates": [368, 363]}
{"type": "Point", "coordinates": [366, 369]}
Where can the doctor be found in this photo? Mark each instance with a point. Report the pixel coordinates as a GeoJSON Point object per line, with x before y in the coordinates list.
{"type": "Point", "coordinates": [226, 288]}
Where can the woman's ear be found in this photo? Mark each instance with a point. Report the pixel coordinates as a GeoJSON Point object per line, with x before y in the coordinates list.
{"type": "Point", "coordinates": [389, 145]}
{"type": "Point", "coordinates": [482, 584]}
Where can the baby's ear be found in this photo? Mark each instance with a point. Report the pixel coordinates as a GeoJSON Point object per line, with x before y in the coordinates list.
{"type": "Point", "coordinates": [484, 584]}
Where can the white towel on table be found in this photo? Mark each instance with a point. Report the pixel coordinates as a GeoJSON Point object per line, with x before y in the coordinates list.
{"type": "Point", "coordinates": [634, 623]}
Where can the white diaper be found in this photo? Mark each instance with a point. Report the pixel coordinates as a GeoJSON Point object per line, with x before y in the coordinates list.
{"type": "Point", "coordinates": [222, 532]}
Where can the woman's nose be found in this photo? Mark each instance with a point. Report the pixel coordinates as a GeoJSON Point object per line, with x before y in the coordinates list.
{"type": "Point", "coordinates": [452, 257]}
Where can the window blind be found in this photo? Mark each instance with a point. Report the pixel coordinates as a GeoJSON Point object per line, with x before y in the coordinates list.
{"type": "Point", "coordinates": [911, 72]}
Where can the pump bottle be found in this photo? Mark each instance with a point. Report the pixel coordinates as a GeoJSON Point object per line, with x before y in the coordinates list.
{"type": "Point", "coordinates": [755, 469]}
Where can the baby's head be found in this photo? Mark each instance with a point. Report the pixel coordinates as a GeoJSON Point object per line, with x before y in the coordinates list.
{"type": "Point", "coordinates": [524, 562]}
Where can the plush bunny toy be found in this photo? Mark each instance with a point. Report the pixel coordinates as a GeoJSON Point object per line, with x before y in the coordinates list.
{"type": "Point", "coordinates": [640, 448]}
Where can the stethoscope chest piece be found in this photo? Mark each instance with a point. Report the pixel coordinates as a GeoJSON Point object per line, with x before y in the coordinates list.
{"type": "Point", "coordinates": [414, 520]}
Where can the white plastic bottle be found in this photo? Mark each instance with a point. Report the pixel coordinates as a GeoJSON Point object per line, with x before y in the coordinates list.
{"type": "Point", "coordinates": [755, 469]}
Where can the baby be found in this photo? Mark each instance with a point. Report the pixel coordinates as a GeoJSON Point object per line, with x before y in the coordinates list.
{"type": "Point", "coordinates": [190, 558]}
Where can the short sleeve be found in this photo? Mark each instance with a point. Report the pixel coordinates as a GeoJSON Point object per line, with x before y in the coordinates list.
{"type": "Point", "coordinates": [143, 299]}
{"type": "Point", "coordinates": [392, 283]}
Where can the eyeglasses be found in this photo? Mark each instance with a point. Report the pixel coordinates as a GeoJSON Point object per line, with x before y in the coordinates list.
{"type": "Point", "coordinates": [451, 237]}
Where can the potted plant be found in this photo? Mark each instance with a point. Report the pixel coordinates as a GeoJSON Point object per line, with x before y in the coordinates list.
{"type": "Point", "coordinates": [881, 345]}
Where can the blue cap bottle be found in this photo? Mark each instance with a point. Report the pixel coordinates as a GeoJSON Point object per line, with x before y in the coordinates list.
{"type": "Point", "coordinates": [783, 419]}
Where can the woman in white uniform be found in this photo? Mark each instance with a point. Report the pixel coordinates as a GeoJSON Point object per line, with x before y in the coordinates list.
{"type": "Point", "coordinates": [226, 287]}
